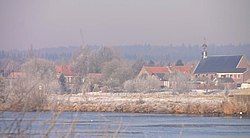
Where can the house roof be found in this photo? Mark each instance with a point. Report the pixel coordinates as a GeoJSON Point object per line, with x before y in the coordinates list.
{"type": "Point", "coordinates": [65, 69]}
{"type": "Point", "coordinates": [157, 70]}
{"type": "Point", "coordinates": [186, 69]}
{"type": "Point", "coordinates": [220, 64]}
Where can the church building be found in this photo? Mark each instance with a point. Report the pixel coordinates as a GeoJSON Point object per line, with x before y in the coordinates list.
{"type": "Point", "coordinates": [234, 67]}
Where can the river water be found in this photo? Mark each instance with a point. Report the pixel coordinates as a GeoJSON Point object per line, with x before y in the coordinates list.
{"type": "Point", "coordinates": [95, 124]}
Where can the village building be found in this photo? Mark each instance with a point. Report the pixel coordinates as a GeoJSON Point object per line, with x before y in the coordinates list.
{"type": "Point", "coordinates": [67, 71]}
{"type": "Point", "coordinates": [164, 73]}
{"type": "Point", "coordinates": [228, 69]}
{"type": "Point", "coordinates": [73, 79]}
{"type": "Point", "coordinates": [185, 69]}
{"type": "Point", "coordinates": [158, 72]}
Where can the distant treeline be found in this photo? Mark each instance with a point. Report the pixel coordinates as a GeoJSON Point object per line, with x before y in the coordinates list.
{"type": "Point", "coordinates": [166, 54]}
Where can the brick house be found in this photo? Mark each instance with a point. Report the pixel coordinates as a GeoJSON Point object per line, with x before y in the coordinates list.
{"type": "Point", "coordinates": [67, 71]}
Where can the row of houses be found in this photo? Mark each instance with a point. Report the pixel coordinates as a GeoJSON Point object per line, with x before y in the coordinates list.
{"type": "Point", "coordinates": [211, 72]}
{"type": "Point", "coordinates": [71, 76]}
{"type": "Point", "coordinates": [163, 73]}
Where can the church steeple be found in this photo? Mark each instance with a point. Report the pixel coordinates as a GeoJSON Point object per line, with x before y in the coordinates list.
{"type": "Point", "coordinates": [204, 52]}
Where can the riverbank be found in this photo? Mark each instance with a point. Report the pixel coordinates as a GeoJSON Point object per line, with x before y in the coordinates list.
{"type": "Point", "coordinates": [162, 102]}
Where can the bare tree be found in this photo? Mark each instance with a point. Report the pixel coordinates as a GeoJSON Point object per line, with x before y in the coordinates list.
{"type": "Point", "coordinates": [137, 66]}
{"type": "Point", "coordinates": [80, 61]}
{"type": "Point", "coordinates": [179, 82]}
{"type": "Point", "coordinates": [39, 69]}
{"type": "Point", "coordinates": [116, 72]}
{"type": "Point", "coordinates": [2, 90]}
{"type": "Point", "coordinates": [29, 91]}
{"type": "Point", "coordinates": [88, 61]}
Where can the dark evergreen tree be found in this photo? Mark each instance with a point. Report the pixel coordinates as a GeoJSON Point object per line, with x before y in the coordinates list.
{"type": "Point", "coordinates": [179, 63]}
{"type": "Point", "coordinates": [63, 83]}
{"type": "Point", "coordinates": [137, 66]}
{"type": "Point", "coordinates": [151, 63]}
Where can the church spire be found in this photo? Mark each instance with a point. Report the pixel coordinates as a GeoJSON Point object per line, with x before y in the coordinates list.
{"type": "Point", "coordinates": [204, 52]}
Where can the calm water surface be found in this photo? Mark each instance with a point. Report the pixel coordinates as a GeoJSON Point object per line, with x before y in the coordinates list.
{"type": "Point", "coordinates": [92, 124]}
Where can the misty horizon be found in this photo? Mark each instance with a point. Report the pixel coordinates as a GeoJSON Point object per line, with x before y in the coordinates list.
{"type": "Point", "coordinates": [45, 24]}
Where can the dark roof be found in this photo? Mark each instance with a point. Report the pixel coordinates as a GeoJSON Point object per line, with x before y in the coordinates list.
{"type": "Point", "coordinates": [219, 64]}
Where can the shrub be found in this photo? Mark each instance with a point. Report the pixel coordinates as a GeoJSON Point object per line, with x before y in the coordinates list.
{"type": "Point", "coordinates": [96, 88]}
{"type": "Point", "coordinates": [23, 96]}
{"type": "Point", "coordinates": [147, 84]}
{"type": "Point", "coordinates": [2, 90]}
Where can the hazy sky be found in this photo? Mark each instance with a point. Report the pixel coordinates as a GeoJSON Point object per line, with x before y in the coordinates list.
{"type": "Point", "coordinates": [50, 23]}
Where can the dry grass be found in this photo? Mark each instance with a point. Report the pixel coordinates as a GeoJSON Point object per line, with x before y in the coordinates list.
{"type": "Point", "coordinates": [242, 91]}
{"type": "Point", "coordinates": [162, 102]}
{"type": "Point", "coordinates": [146, 103]}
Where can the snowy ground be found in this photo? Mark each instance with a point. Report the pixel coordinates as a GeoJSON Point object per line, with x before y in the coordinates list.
{"type": "Point", "coordinates": [132, 97]}
{"type": "Point", "coordinates": [161, 102]}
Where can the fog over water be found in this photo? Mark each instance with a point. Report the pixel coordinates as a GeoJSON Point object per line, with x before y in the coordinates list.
{"type": "Point", "coordinates": [50, 23]}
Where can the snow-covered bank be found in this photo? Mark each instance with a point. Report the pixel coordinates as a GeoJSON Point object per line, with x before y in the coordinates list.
{"type": "Point", "coordinates": [164, 102]}
{"type": "Point", "coordinates": [161, 102]}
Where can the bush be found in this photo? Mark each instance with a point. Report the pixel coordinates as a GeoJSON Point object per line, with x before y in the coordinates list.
{"type": "Point", "coordinates": [2, 90]}
{"type": "Point", "coordinates": [180, 82]}
{"type": "Point", "coordinates": [147, 84]}
{"type": "Point", "coordinates": [96, 88]}
{"type": "Point", "coordinates": [23, 96]}
{"type": "Point", "coordinates": [116, 72]}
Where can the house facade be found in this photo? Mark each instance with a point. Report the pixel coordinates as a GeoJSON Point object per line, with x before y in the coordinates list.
{"type": "Point", "coordinates": [67, 71]}
{"type": "Point", "coordinates": [164, 74]}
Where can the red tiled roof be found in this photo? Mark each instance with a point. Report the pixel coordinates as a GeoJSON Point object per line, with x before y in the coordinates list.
{"type": "Point", "coordinates": [154, 70]}
{"type": "Point", "coordinates": [187, 69]}
{"type": "Point", "coordinates": [65, 69]}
